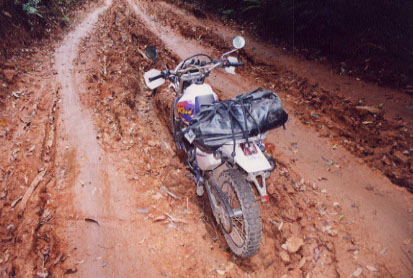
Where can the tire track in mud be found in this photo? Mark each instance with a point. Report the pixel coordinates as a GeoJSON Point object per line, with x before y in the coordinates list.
{"type": "Point", "coordinates": [89, 177]}
{"type": "Point", "coordinates": [313, 157]}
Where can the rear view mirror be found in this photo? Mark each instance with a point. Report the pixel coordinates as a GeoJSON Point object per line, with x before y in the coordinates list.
{"type": "Point", "coordinates": [238, 42]}
{"type": "Point", "coordinates": [151, 52]}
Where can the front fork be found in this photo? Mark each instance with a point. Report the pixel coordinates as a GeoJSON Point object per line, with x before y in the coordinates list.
{"type": "Point", "coordinates": [222, 210]}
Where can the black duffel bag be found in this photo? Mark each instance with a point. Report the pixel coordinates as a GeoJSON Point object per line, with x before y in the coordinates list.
{"type": "Point", "coordinates": [245, 116]}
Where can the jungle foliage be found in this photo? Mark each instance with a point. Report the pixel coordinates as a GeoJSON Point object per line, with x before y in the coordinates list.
{"type": "Point", "coordinates": [22, 21]}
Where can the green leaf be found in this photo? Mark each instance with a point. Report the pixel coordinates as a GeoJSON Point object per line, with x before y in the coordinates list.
{"type": "Point", "coordinates": [32, 8]}
{"type": "Point", "coordinates": [227, 12]}
{"type": "Point", "coordinates": [250, 8]}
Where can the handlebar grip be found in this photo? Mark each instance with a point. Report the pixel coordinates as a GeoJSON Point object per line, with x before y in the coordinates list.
{"type": "Point", "coordinates": [236, 64]}
{"type": "Point", "coordinates": [155, 77]}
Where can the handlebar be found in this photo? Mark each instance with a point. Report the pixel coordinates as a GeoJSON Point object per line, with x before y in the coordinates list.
{"type": "Point", "coordinates": [156, 77]}
{"type": "Point", "coordinates": [204, 69]}
{"type": "Point", "coordinates": [235, 64]}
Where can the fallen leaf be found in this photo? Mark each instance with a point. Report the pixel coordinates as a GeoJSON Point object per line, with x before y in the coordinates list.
{"type": "Point", "coordinates": [301, 263]}
{"type": "Point", "coordinates": [6, 14]}
{"type": "Point", "coordinates": [71, 270]}
{"type": "Point", "coordinates": [172, 195]}
{"type": "Point", "coordinates": [157, 196]}
{"type": "Point", "coordinates": [371, 268]}
{"type": "Point", "coordinates": [357, 272]}
{"type": "Point", "coordinates": [159, 218]}
{"type": "Point", "coordinates": [332, 232]}
{"type": "Point", "coordinates": [91, 220]}
{"type": "Point", "coordinates": [173, 219]}
{"type": "Point", "coordinates": [284, 256]}
{"type": "Point", "coordinates": [281, 225]}
{"type": "Point", "coordinates": [314, 186]}
{"type": "Point", "coordinates": [58, 259]}
{"type": "Point", "coordinates": [326, 228]}
{"type": "Point", "coordinates": [294, 243]}
{"type": "Point", "coordinates": [14, 203]}
{"type": "Point", "coordinates": [316, 254]}
{"type": "Point", "coordinates": [16, 94]}
{"type": "Point", "coordinates": [3, 194]}
{"type": "Point", "coordinates": [42, 274]}
{"type": "Point", "coordinates": [370, 109]}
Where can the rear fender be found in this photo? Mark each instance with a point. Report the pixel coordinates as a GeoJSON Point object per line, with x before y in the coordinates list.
{"type": "Point", "coordinates": [249, 163]}
{"type": "Point", "coordinates": [256, 165]}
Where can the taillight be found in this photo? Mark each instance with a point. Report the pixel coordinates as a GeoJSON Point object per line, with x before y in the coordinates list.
{"type": "Point", "coordinates": [248, 150]}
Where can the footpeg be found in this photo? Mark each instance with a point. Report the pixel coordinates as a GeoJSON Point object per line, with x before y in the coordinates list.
{"type": "Point", "coordinates": [200, 190]}
{"type": "Point", "coordinates": [200, 187]}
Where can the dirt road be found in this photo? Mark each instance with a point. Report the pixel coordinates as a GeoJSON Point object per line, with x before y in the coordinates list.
{"type": "Point", "coordinates": [96, 189]}
{"type": "Point", "coordinates": [116, 202]}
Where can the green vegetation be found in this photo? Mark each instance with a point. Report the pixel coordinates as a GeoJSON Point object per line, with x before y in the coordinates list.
{"type": "Point", "coordinates": [22, 21]}
{"type": "Point", "coordinates": [56, 9]}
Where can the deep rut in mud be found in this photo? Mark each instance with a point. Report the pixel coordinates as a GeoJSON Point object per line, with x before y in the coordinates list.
{"type": "Point", "coordinates": [122, 202]}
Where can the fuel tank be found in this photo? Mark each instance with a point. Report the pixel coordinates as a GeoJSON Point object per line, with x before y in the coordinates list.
{"type": "Point", "coordinates": [186, 104]}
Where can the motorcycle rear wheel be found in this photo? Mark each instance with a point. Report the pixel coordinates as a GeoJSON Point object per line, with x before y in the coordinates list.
{"type": "Point", "coordinates": [244, 238]}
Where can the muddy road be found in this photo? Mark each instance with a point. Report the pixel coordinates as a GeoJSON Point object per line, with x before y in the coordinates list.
{"type": "Point", "coordinates": [91, 185]}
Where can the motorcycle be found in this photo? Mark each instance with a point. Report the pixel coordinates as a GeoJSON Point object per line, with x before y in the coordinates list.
{"type": "Point", "coordinates": [223, 145]}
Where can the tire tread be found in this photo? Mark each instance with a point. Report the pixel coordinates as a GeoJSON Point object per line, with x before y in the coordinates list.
{"type": "Point", "coordinates": [251, 213]}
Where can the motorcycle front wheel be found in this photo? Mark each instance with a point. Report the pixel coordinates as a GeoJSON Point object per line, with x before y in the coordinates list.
{"type": "Point", "coordinates": [245, 231]}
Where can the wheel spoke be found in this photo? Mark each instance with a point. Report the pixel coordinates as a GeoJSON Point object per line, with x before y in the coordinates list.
{"type": "Point", "coordinates": [237, 233]}
{"type": "Point", "coordinates": [241, 213]}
